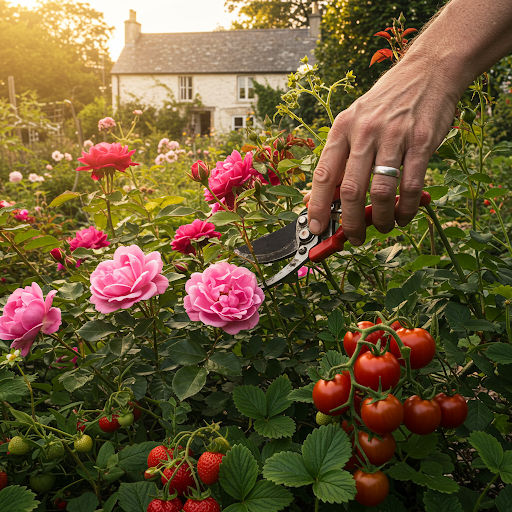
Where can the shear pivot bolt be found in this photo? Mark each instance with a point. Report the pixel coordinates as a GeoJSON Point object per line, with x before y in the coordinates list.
{"type": "Point", "coordinates": [302, 220]}
{"type": "Point", "coordinates": [302, 250]}
{"type": "Point", "coordinates": [305, 235]}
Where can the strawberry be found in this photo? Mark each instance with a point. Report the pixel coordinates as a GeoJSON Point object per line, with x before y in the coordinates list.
{"type": "Point", "coordinates": [181, 479]}
{"type": "Point", "coordinates": [60, 504]}
{"type": "Point", "coordinates": [109, 426]}
{"type": "Point", "coordinates": [137, 413]}
{"type": "Point", "coordinates": [208, 466]}
{"type": "Point", "coordinates": [174, 505]}
{"type": "Point", "coordinates": [83, 444]}
{"type": "Point", "coordinates": [3, 480]}
{"type": "Point", "coordinates": [17, 446]}
{"type": "Point", "coordinates": [157, 455]}
{"type": "Point", "coordinates": [55, 450]}
{"type": "Point", "coordinates": [207, 505]}
{"type": "Point", "coordinates": [323, 419]}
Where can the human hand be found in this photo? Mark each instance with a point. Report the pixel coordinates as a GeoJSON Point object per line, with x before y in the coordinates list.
{"type": "Point", "coordinates": [400, 121]}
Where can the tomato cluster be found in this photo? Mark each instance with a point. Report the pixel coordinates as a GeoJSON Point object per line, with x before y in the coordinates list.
{"type": "Point", "coordinates": [381, 416]}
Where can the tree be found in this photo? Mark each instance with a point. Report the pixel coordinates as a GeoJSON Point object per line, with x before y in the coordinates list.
{"type": "Point", "coordinates": [348, 40]}
{"type": "Point", "coordinates": [56, 50]}
{"type": "Point", "coordinates": [271, 13]}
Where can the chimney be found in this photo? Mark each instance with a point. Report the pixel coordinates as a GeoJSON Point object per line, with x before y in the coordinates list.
{"type": "Point", "coordinates": [132, 29]}
{"type": "Point", "coordinates": [315, 19]}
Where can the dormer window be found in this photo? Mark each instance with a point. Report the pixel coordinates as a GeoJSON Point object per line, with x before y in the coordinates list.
{"type": "Point", "coordinates": [245, 88]}
{"type": "Point", "coordinates": [185, 88]}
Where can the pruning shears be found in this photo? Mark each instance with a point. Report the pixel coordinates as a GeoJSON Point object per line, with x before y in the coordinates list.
{"type": "Point", "coordinates": [296, 240]}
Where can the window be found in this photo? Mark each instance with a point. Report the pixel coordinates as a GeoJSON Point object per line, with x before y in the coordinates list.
{"type": "Point", "coordinates": [239, 122]}
{"type": "Point", "coordinates": [245, 88]}
{"type": "Point", "coordinates": [185, 88]}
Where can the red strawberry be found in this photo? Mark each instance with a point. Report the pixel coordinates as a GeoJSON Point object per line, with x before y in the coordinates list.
{"type": "Point", "coordinates": [109, 426]}
{"type": "Point", "coordinates": [60, 504]}
{"type": "Point", "coordinates": [3, 480]}
{"type": "Point", "coordinates": [174, 505]}
{"type": "Point", "coordinates": [157, 455]}
{"type": "Point", "coordinates": [208, 466]}
{"type": "Point", "coordinates": [206, 505]}
{"type": "Point", "coordinates": [181, 479]}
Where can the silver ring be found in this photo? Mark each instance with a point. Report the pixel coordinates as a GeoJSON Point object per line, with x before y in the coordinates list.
{"type": "Point", "coordinates": [386, 171]}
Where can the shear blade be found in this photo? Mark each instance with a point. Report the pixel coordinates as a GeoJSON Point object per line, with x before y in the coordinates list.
{"type": "Point", "coordinates": [275, 246]}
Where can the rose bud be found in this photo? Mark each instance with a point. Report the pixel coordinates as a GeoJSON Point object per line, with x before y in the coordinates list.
{"type": "Point", "coordinates": [70, 263]}
{"type": "Point", "coordinates": [57, 254]}
{"type": "Point", "coordinates": [181, 267]}
{"type": "Point", "coordinates": [199, 172]}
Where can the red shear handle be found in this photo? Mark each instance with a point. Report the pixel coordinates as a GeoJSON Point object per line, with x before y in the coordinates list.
{"type": "Point", "coordinates": [335, 242]}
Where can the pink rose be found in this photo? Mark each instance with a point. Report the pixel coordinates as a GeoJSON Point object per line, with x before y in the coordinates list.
{"type": "Point", "coordinates": [137, 112]}
{"type": "Point", "coordinates": [26, 314]}
{"type": "Point", "coordinates": [228, 175]}
{"type": "Point", "coordinates": [225, 296]}
{"type": "Point", "coordinates": [90, 238]}
{"type": "Point", "coordinates": [197, 230]}
{"type": "Point", "coordinates": [130, 277]}
{"type": "Point", "coordinates": [304, 271]}
{"type": "Point", "coordinates": [68, 157]}
{"type": "Point", "coordinates": [4, 203]}
{"type": "Point", "coordinates": [15, 176]}
{"type": "Point", "coordinates": [106, 124]}
{"type": "Point", "coordinates": [87, 144]}
{"type": "Point", "coordinates": [105, 156]}
{"type": "Point", "coordinates": [22, 215]}
{"type": "Point", "coordinates": [49, 167]}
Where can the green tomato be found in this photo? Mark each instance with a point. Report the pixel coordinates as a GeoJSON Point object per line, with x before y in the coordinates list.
{"type": "Point", "coordinates": [42, 483]}
{"type": "Point", "coordinates": [126, 419]}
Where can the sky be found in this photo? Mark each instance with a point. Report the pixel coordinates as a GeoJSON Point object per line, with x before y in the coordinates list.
{"type": "Point", "coordinates": [157, 16]}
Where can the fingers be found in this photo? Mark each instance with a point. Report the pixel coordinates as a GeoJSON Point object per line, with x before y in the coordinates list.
{"type": "Point", "coordinates": [326, 177]}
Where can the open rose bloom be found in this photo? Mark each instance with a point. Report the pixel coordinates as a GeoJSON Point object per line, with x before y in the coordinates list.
{"type": "Point", "coordinates": [199, 229]}
{"type": "Point", "coordinates": [130, 277]}
{"type": "Point", "coordinates": [225, 296]}
{"type": "Point", "coordinates": [105, 157]}
{"type": "Point", "coordinates": [26, 314]}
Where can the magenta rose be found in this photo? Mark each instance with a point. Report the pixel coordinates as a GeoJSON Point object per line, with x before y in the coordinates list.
{"type": "Point", "coordinates": [104, 157]}
{"type": "Point", "coordinates": [199, 229]}
{"type": "Point", "coordinates": [225, 296]}
{"type": "Point", "coordinates": [230, 174]}
{"type": "Point", "coordinates": [26, 314]}
{"type": "Point", "coordinates": [130, 277]}
{"type": "Point", "coordinates": [90, 238]}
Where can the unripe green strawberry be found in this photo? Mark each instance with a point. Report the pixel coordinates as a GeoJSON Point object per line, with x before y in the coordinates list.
{"type": "Point", "coordinates": [83, 444]}
{"type": "Point", "coordinates": [56, 450]}
{"type": "Point", "coordinates": [323, 419]}
{"type": "Point", "coordinates": [42, 483]}
{"type": "Point", "coordinates": [18, 447]}
{"type": "Point", "coordinates": [126, 419]}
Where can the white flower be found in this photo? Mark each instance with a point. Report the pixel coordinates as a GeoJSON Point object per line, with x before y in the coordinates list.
{"type": "Point", "coordinates": [11, 357]}
{"type": "Point", "coordinates": [57, 156]}
{"type": "Point", "coordinates": [16, 353]}
{"type": "Point", "coordinates": [33, 177]}
{"type": "Point", "coordinates": [68, 157]}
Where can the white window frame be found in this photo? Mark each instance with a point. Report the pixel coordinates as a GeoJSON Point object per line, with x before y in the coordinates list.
{"type": "Point", "coordinates": [186, 86]}
{"type": "Point", "coordinates": [245, 88]}
{"type": "Point", "coordinates": [244, 121]}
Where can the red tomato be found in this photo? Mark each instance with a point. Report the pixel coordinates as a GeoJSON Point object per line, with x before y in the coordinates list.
{"type": "Point", "coordinates": [421, 417]}
{"type": "Point", "coordinates": [350, 339]}
{"type": "Point", "coordinates": [384, 416]}
{"type": "Point", "coordinates": [329, 394]}
{"type": "Point", "coordinates": [346, 427]}
{"type": "Point", "coordinates": [378, 452]}
{"type": "Point", "coordinates": [454, 410]}
{"type": "Point", "coordinates": [372, 488]}
{"type": "Point", "coordinates": [370, 369]}
{"type": "Point", "coordinates": [421, 343]}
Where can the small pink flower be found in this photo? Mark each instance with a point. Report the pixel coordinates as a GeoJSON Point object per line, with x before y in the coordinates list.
{"type": "Point", "coordinates": [88, 143]}
{"type": "Point", "coordinates": [34, 178]}
{"type": "Point", "coordinates": [228, 175]}
{"type": "Point", "coordinates": [4, 203]}
{"type": "Point", "coordinates": [160, 159]}
{"type": "Point", "coordinates": [21, 215]}
{"type": "Point", "coordinates": [68, 157]}
{"type": "Point", "coordinates": [137, 112]}
{"type": "Point", "coordinates": [38, 209]}
{"type": "Point", "coordinates": [15, 176]}
{"type": "Point", "coordinates": [65, 359]}
{"type": "Point", "coordinates": [106, 124]}
{"type": "Point", "coordinates": [57, 156]}
{"type": "Point", "coordinates": [304, 271]}
{"type": "Point", "coordinates": [206, 152]}
{"type": "Point", "coordinates": [189, 153]}
{"type": "Point", "coordinates": [26, 314]}
{"type": "Point", "coordinates": [106, 157]}
{"type": "Point", "coordinates": [130, 277]}
{"type": "Point", "coordinates": [199, 229]}
{"type": "Point", "coordinates": [49, 167]}
{"type": "Point", "coordinates": [89, 238]}
{"type": "Point", "coordinates": [224, 296]}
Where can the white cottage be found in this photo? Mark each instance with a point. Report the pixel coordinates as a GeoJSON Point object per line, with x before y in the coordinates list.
{"type": "Point", "coordinates": [218, 66]}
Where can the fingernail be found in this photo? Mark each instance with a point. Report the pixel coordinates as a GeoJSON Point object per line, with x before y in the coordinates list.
{"type": "Point", "coordinates": [314, 226]}
{"type": "Point", "coordinates": [402, 222]}
{"type": "Point", "coordinates": [355, 241]}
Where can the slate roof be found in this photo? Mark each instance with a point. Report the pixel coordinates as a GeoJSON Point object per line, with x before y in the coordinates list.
{"type": "Point", "coordinates": [229, 51]}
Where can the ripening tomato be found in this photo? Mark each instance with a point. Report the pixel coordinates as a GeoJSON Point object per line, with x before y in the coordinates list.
{"type": "Point", "coordinates": [454, 410]}
{"type": "Point", "coordinates": [329, 394]}
{"type": "Point", "coordinates": [372, 488]}
{"type": "Point", "coordinates": [383, 416]}
{"type": "Point", "coordinates": [421, 343]}
{"type": "Point", "coordinates": [351, 338]}
{"type": "Point", "coordinates": [421, 417]}
{"type": "Point", "coordinates": [369, 370]}
{"type": "Point", "coordinates": [378, 452]}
